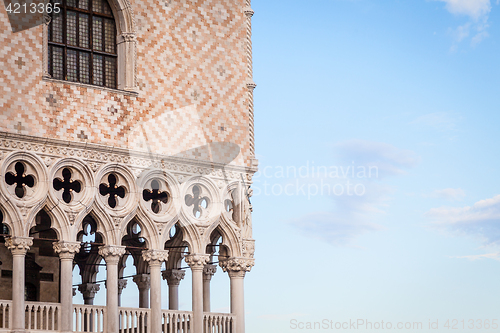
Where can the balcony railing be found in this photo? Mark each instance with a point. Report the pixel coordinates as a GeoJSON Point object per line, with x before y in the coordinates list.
{"type": "Point", "coordinates": [45, 317]}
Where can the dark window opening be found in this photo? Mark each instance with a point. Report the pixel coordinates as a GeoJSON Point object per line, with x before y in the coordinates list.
{"type": "Point", "coordinates": [82, 43]}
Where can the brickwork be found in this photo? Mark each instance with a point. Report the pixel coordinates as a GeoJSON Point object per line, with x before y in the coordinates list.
{"type": "Point", "coordinates": [192, 86]}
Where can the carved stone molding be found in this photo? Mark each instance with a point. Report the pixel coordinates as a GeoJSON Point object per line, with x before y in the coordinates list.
{"type": "Point", "coordinates": [197, 260]}
{"type": "Point", "coordinates": [248, 248]}
{"type": "Point", "coordinates": [237, 266]}
{"type": "Point", "coordinates": [173, 276]}
{"type": "Point", "coordinates": [209, 271]}
{"type": "Point", "coordinates": [89, 290]}
{"type": "Point", "coordinates": [66, 250]}
{"type": "Point", "coordinates": [19, 245]}
{"type": "Point", "coordinates": [112, 253]}
{"type": "Point", "coordinates": [143, 281]}
{"type": "Point", "coordinates": [155, 257]}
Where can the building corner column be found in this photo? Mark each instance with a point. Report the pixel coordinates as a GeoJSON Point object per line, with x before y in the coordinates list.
{"type": "Point", "coordinates": [173, 277]}
{"type": "Point", "coordinates": [197, 262]}
{"type": "Point", "coordinates": [112, 255]}
{"type": "Point", "coordinates": [66, 252]}
{"type": "Point", "coordinates": [18, 246]}
{"type": "Point", "coordinates": [208, 272]}
{"type": "Point", "coordinates": [236, 269]}
{"type": "Point", "coordinates": [155, 258]}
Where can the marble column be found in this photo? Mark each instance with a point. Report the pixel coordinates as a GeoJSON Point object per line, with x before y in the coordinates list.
{"type": "Point", "coordinates": [88, 291]}
{"type": "Point", "coordinates": [143, 282]}
{"type": "Point", "coordinates": [208, 272]}
{"type": "Point", "coordinates": [237, 268]}
{"type": "Point", "coordinates": [173, 277]}
{"type": "Point", "coordinates": [197, 262]}
{"type": "Point", "coordinates": [66, 252]}
{"type": "Point", "coordinates": [155, 258]}
{"type": "Point", "coordinates": [112, 254]}
{"type": "Point", "coordinates": [18, 246]}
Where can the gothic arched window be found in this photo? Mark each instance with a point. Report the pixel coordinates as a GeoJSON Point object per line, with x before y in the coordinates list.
{"type": "Point", "coordinates": [82, 43]}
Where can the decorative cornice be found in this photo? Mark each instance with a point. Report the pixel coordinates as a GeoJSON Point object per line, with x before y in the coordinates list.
{"type": "Point", "coordinates": [19, 245]}
{"type": "Point", "coordinates": [173, 276]}
{"type": "Point", "coordinates": [89, 290]}
{"type": "Point", "coordinates": [112, 253]}
{"type": "Point", "coordinates": [209, 271]}
{"type": "Point", "coordinates": [249, 12]}
{"type": "Point", "coordinates": [237, 265]}
{"type": "Point", "coordinates": [143, 281]}
{"type": "Point", "coordinates": [155, 257]}
{"type": "Point", "coordinates": [66, 250]}
{"type": "Point", "coordinates": [98, 154]}
{"type": "Point", "coordinates": [197, 261]}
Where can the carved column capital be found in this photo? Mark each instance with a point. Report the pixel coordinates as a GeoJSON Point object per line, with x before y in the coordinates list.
{"type": "Point", "coordinates": [89, 290]}
{"type": "Point", "coordinates": [173, 276]}
{"type": "Point", "coordinates": [18, 245]}
{"type": "Point", "coordinates": [197, 260]}
{"type": "Point", "coordinates": [66, 250]}
{"type": "Point", "coordinates": [237, 267]}
{"type": "Point", "coordinates": [209, 271]}
{"type": "Point", "coordinates": [122, 283]}
{"type": "Point", "coordinates": [143, 281]}
{"type": "Point", "coordinates": [112, 253]}
{"type": "Point", "coordinates": [155, 257]}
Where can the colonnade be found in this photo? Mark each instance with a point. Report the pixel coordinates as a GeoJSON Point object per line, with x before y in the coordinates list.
{"type": "Point", "coordinates": [149, 285]}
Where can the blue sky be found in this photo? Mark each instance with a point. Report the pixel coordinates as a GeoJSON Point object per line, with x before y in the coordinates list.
{"type": "Point", "coordinates": [408, 87]}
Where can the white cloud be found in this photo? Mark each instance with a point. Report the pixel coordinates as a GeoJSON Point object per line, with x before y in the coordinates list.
{"type": "Point", "coordinates": [494, 256]}
{"type": "Point", "coordinates": [451, 194]}
{"type": "Point", "coordinates": [440, 121]}
{"type": "Point", "coordinates": [389, 159]}
{"type": "Point", "coordinates": [475, 9]}
{"type": "Point", "coordinates": [481, 220]}
{"type": "Point", "coordinates": [333, 228]}
{"type": "Point", "coordinates": [354, 212]}
{"type": "Point", "coordinates": [478, 12]}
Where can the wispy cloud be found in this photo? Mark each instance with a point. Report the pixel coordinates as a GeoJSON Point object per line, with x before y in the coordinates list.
{"type": "Point", "coordinates": [439, 121]}
{"type": "Point", "coordinates": [477, 12]}
{"type": "Point", "coordinates": [494, 256]}
{"type": "Point", "coordinates": [354, 213]}
{"type": "Point", "coordinates": [450, 194]}
{"type": "Point", "coordinates": [389, 159]}
{"type": "Point", "coordinates": [481, 220]}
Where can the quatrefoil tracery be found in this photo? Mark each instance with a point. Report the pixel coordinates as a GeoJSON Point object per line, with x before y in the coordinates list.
{"type": "Point", "coordinates": [199, 202]}
{"type": "Point", "coordinates": [113, 190]}
{"type": "Point", "coordinates": [156, 196]}
{"type": "Point", "coordinates": [68, 185]}
{"type": "Point", "coordinates": [20, 179]}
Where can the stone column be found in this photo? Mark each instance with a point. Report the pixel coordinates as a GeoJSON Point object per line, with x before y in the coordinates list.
{"type": "Point", "coordinates": [66, 251]}
{"type": "Point", "coordinates": [18, 246]}
{"type": "Point", "coordinates": [155, 258]}
{"type": "Point", "coordinates": [208, 272]}
{"type": "Point", "coordinates": [122, 284]}
{"type": "Point", "coordinates": [143, 282]}
{"type": "Point", "coordinates": [88, 291]}
{"type": "Point", "coordinates": [112, 254]}
{"type": "Point", "coordinates": [236, 268]}
{"type": "Point", "coordinates": [173, 277]}
{"type": "Point", "coordinates": [197, 262]}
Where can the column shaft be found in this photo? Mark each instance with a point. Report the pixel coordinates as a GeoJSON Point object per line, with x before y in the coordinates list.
{"type": "Point", "coordinates": [173, 296]}
{"type": "Point", "coordinates": [206, 295]}
{"type": "Point", "coordinates": [18, 292]}
{"type": "Point", "coordinates": [66, 294]}
{"type": "Point", "coordinates": [197, 293]}
{"type": "Point", "coordinates": [18, 246]}
{"type": "Point", "coordinates": [155, 294]}
{"type": "Point", "coordinates": [237, 300]}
